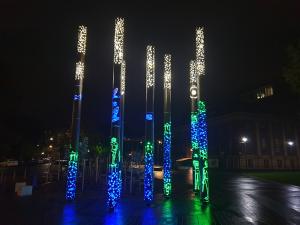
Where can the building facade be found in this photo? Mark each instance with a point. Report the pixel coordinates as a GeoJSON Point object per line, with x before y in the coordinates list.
{"type": "Point", "coordinates": [254, 141]}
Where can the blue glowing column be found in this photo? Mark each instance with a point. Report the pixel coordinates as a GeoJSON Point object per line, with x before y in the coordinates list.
{"type": "Point", "coordinates": [202, 132]}
{"type": "Point", "coordinates": [75, 126]}
{"type": "Point", "coordinates": [167, 126]}
{"type": "Point", "coordinates": [194, 128]}
{"type": "Point", "coordinates": [149, 125]}
{"type": "Point", "coordinates": [114, 185]}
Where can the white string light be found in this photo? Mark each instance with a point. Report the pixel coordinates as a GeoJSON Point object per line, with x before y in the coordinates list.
{"type": "Point", "coordinates": [79, 73]}
{"type": "Point", "coordinates": [119, 41]}
{"type": "Point", "coordinates": [123, 73]}
{"type": "Point", "coordinates": [81, 44]}
{"type": "Point", "coordinates": [167, 71]}
{"type": "Point", "coordinates": [150, 66]}
{"type": "Point", "coordinates": [200, 63]}
{"type": "Point", "coordinates": [193, 80]}
{"type": "Point", "coordinates": [193, 77]}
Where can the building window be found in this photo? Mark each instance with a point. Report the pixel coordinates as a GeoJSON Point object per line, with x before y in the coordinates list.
{"type": "Point", "coordinates": [266, 163]}
{"type": "Point", "coordinates": [264, 92]}
{"type": "Point", "coordinates": [292, 163]}
{"type": "Point", "coordinates": [277, 145]}
{"type": "Point", "coordinates": [279, 163]}
{"type": "Point", "coordinates": [250, 163]}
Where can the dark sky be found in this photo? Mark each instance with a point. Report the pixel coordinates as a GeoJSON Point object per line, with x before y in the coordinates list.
{"type": "Point", "coordinates": [245, 43]}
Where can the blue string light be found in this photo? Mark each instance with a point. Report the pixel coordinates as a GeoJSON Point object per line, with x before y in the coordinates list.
{"type": "Point", "coordinates": [115, 106]}
{"type": "Point", "coordinates": [149, 116]}
{"type": "Point", "coordinates": [148, 181]}
{"type": "Point", "coordinates": [77, 97]}
{"type": "Point", "coordinates": [72, 175]}
{"type": "Point", "coordinates": [203, 150]}
{"type": "Point", "coordinates": [114, 186]}
{"type": "Point", "coordinates": [114, 175]}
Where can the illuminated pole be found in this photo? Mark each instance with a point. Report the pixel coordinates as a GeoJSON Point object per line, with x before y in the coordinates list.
{"type": "Point", "coordinates": [202, 134]}
{"type": "Point", "coordinates": [195, 127]}
{"type": "Point", "coordinates": [75, 126]}
{"type": "Point", "coordinates": [167, 126]}
{"type": "Point", "coordinates": [149, 124]}
{"type": "Point", "coordinates": [122, 102]}
{"type": "Point", "coordinates": [114, 173]}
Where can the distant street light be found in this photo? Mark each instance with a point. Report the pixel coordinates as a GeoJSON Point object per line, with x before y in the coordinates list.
{"type": "Point", "coordinates": [244, 139]}
{"type": "Point", "coordinates": [50, 146]}
{"type": "Point", "coordinates": [290, 143]}
{"type": "Point", "coordinates": [51, 139]}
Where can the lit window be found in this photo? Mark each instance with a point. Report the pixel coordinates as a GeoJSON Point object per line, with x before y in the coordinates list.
{"type": "Point", "coordinates": [263, 92]}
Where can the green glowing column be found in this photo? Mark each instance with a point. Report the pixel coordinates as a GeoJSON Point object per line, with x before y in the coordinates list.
{"type": "Point", "coordinates": [194, 128]}
{"type": "Point", "coordinates": [167, 126]}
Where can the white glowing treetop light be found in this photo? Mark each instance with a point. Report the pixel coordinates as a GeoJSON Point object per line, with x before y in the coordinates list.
{"type": "Point", "coordinates": [79, 73]}
{"type": "Point", "coordinates": [150, 66]}
{"type": "Point", "coordinates": [82, 34]}
{"type": "Point", "coordinates": [200, 63]}
{"type": "Point", "coordinates": [167, 71]}
{"type": "Point", "coordinates": [119, 41]}
{"type": "Point", "coordinates": [193, 80]}
{"type": "Point", "coordinates": [123, 73]}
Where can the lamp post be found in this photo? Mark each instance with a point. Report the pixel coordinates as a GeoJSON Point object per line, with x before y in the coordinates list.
{"type": "Point", "coordinates": [244, 141]}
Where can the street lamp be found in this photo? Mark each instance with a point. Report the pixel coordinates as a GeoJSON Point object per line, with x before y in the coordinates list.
{"type": "Point", "coordinates": [290, 143]}
{"type": "Point", "coordinates": [244, 141]}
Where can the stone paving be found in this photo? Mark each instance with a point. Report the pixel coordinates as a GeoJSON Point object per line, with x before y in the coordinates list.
{"type": "Point", "coordinates": [235, 199]}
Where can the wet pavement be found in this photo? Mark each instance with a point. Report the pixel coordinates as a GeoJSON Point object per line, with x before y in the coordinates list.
{"type": "Point", "coordinates": [235, 199]}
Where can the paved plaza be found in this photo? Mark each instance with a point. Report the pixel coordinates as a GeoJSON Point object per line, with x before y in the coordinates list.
{"type": "Point", "coordinates": [235, 199]}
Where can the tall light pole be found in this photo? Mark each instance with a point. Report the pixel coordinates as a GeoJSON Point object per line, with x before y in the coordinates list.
{"type": "Point", "coordinates": [149, 124]}
{"type": "Point", "coordinates": [75, 126]}
{"type": "Point", "coordinates": [202, 134]}
{"type": "Point", "coordinates": [167, 126]}
{"type": "Point", "coordinates": [118, 93]}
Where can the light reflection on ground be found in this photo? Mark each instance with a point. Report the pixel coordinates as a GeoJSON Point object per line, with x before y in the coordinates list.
{"type": "Point", "coordinates": [69, 214]}
{"type": "Point", "coordinates": [234, 200]}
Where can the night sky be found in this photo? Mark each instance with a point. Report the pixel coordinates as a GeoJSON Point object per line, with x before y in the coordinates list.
{"type": "Point", "coordinates": [245, 47]}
